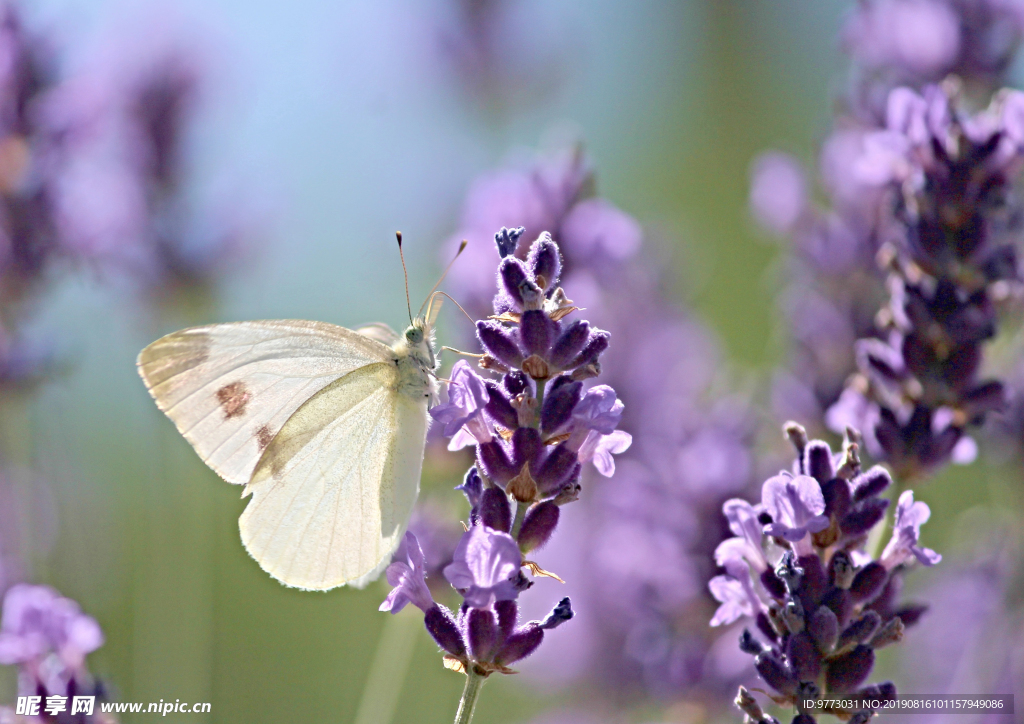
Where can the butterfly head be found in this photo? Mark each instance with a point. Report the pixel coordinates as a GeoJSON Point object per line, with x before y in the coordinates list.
{"type": "Point", "coordinates": [418, 342]}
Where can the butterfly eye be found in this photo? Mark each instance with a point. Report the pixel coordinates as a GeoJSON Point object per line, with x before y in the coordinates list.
{"type": "Point", "coordinates": [414, 335]}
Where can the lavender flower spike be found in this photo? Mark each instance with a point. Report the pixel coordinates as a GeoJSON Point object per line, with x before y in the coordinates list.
{"type": "Point", "coordinates": [827, 605]}
{"type": "Point", "coordinates": [462, 415]}
{"type": "Point", "coordinates": [796, 505]}
{"type": "Point", "coordinates": [408, 576]}
{"type": "Point", "coordinates": [910, 516]}
{"type": "Point", "coordinates": [485, 564]}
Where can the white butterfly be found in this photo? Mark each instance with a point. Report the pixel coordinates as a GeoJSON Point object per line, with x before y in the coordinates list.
{"type": "Point", "coordinates": [324, 426]}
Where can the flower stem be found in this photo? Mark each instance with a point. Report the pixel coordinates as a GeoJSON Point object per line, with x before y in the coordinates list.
{"type": "Point", "coordinates": [468, 702]}
{"type": "Point", "coordinates": [517, 523]}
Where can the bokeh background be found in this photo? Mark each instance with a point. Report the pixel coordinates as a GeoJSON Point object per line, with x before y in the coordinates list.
{"type": "Point", "coordinates": [316, 130]}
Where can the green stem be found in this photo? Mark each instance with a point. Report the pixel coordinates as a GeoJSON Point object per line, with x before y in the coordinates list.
{"type": "Point", "coordinates": [468, 702]}
{"type": "Point", "coordinates": [517, 522]}
{"type": "Point", "coordinates": [540, 402]}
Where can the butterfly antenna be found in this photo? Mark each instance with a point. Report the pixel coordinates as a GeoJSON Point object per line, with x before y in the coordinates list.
{"type": "Point", "coordinates": [405, 272]}
{"type": "Point", "coordinates": [462, 247]}
{"type": "Point", "coordinates": [446, 294]}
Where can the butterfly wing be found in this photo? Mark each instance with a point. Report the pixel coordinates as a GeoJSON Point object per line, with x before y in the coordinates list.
{"type": "Point", "coordinates": [332, 494]}
{"type": "Point", "coordinates": [229, 388]}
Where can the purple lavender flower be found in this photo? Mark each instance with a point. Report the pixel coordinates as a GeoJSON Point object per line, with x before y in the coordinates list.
{"type": "Point", "coordinates": [910, 516]}
{"type": "Point", "coordinates": [48, 638]}
{"type": "Point", "coordinates": [485, 567]}
{"type": "Point", "coordinates": [795, 505]}
{"type": "Point", "coordinates": [924, 186]}
{"type": "Point", "coordinates": [462, 415]}
{"type": "Point", "coordinates": [686, 452]}
{"type": "Point", "coordinates": [825, 605]}
{"type": "Point", "coordinates": [408, 576]}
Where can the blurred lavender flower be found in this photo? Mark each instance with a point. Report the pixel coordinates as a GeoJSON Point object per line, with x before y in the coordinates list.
{"type": "Point", "coordinates": [500, 55]}
{"type": "Point", "coordinates": [922, 225]}
{"type": "Point", "coordinates": [915, 42]}
{"type": "Point", "coordinates": [823, 606]}
{"type": "Point", "coordinates": [638, 630]}
{"type": "Point", "coordinates": [533, 428]}
{"type": "Point", "coordinates": [48, 638]}
{"type": "Point", "coordinates": [919, 387]}
{"type": "Point", "coordinates": [123, 197]}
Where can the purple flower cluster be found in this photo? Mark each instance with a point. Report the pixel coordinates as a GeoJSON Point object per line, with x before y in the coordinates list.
{"type": "Point", "coordinates": [951, 175]}
{"type": "Point", "coordinates": [797, 566]}
{"type": "Point", "coordinates": [48, 637]}
{"type": "Point", "coordinates": [533, 428]}
{"type": "Point", "coordinates": [637, 633]}
{"type": "Point", "coordinates": [92, 174]}
{"type": "Point", "coordinates": [897, 282]}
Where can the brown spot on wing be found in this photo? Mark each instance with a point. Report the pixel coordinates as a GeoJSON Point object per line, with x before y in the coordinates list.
{"type": "Point", "coordinates": [263, 437]}
{"type": "Point", "coordinates": [233, 398]}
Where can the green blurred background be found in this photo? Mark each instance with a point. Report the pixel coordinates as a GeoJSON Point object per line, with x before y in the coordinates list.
{"type": "Point", "coordinates": [340, 126]}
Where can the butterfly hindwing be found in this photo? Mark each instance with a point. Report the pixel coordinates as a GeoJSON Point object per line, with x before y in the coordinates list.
{"type": "Point", "coordinates": [333, 492]}
{"type": "Point", "coordinates": [229, 388]}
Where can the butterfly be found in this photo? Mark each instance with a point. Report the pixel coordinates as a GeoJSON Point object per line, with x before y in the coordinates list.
{"type": "Point", "coordinates": [324, 426]}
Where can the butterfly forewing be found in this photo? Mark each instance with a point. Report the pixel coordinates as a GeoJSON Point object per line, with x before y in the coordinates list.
{"type": "Point", "coordinates": [229, 388]}
{"type": "Point", "coordinates": [333, 492]}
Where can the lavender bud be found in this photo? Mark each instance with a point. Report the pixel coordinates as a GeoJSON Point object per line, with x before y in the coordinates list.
{"type": "Point", "coordinates": [520, 644]}
{"type": "Point", "coordinates": [495, 462]}
{"type": "Point", "coordinates": [545, 261]}
{"type": "Point", "coordinates": [839, 601]}
{"type": "Point", "coordinates": [793, 616]}
{"type": "Point", "coordinates": [526, 447]}
{"type": "Point", "coordinates": [482, 632]}
{"type": "Point", "coordinates": [595, 346]}
{"type": "Point", "coordinates": [869, 582]}
{"type": "Point", "coordinates": [837, 498]}
{"type": "Point", "coordinates": [818, 461]}
{"type": "Point", "coordinates": [803, 656]}
{"type": "Point", "coordinates": [507, 240]}
{"type": "Point", "coordinates": [495, 511]}
{"type": "Point", "coordinates": [797, 436]}
{"type": "Point", "coordinates": [774, 673]}
{"type": "Point", "coordinates": [804, 719]}
{"type": "Point", "coordinates": [861, 629]}
{"type": "Point", "coordinates": [764, 625]}
{"type": "Point", "coordinates": [444, 630]}
{"type": "Point", "coordinates": [749, 644]}
{"type": "Point", "coordinates": [500, 408]}
{"type": "Point", "coordinates": [559, 615]}
{"type": "Point", "coordinates": [472, 487]}
{"type": "Point", "coordinates": [847, 672]}
{"type": "Point", "coordinates": [773, 584]}
{"type": "Point", "coordinates": [871, 483]}
{"type": "Point", "coordinates": [537, 331]}
{"type": "Point", "coordinates": [862, 519]}
{"type": "Point", "coordinates": [569, 344]}
{"type": "Point", "coordinates": [508, 612]}
{"type": "Point", "coordinates": [815, 581]}
{"type": "Point", "coordinates": [910, 615]}
{"type": "Point", "coordinates": [497, 340]}
{"type": "Point", "coordinates": [559, 402]}
{"type": "Point", "coordinates": [538, 525]}
{"type": "Point", "coordinates": [824, 628]}
{"type": "Point", "coordinates": [556, 469]}
{"type": "Point", "coordinates": [512, 276]}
